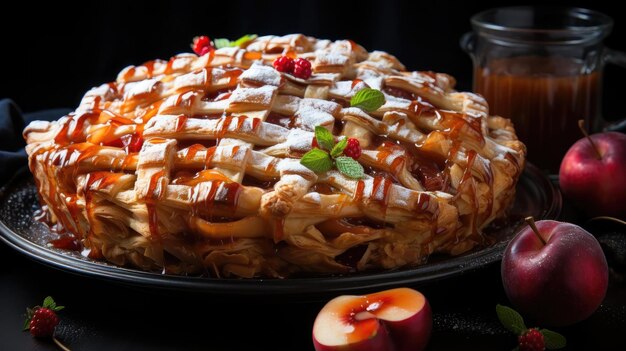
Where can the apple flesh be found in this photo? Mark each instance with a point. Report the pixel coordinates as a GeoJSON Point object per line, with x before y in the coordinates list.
{"type": "Point", "coordinates": [557, 283]}
{"type": "Point", "coordinates": [596, 183]}
{"type": "Point", "coordinates": [392, 320]}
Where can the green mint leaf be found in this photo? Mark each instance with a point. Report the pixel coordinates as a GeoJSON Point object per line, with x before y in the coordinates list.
{"type": "Point", "coordinates": [553, 340]}
{"type": "Point", "coordinates": [317, 160]}
{"type": "Point", "coordinates": [58, 308]}
{"type": "Point", "coordinates": [224, 43]}
{"type": "Point", "coordinates": [246, 38]}
{"type": "Point", "coordinates": [29, 316]}
{"type": "Point", "coordinates": [510, 319]}
{"type": "Point", "coordinates": [349, 167]}
{"type": "Point", "coordinates": [339, 147]}
{"type": "Point", "coordinates": [368, 99]}
{"type": "Point", "coordinates": [48, 302]}
{"type": "Point", "coordinates": [325, 139]}
{"type": "Point", "coordinates": [221, 43]}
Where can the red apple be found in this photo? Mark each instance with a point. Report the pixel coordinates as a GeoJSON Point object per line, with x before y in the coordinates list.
{"type": "Point", "coordinates": [555, 273]}
{"type": "Point", "coordinates": [394, 320]}
{"type": "Point", "coordinates": [593, 174]}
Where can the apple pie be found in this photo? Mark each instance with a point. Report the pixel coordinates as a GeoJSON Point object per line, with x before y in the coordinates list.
{"type": "Point", "coordinates": [195, 165]}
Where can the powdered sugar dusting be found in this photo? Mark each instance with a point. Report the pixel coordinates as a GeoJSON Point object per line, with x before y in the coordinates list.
{"type": "Point", "coordinates": [310, 118]}
{"type": "Point", "coordinates": [234, 120]}
{"type": "Point", "coordinates": [322, 105]}
{"type": "Point", "coordinates": [395, 103]}
{"type": "Point", "coordinates": [260, 96]}
{"type": "Point", "coordinates": [299, 140]}
{"type": "Point", "coordinates": [139, 88]}
{"type": "Point", "coordinates": [331, 59]}
{"type": "Point", "coordinates": [260, 74]}
{"type": "Point", "coordinates": [193, 79]}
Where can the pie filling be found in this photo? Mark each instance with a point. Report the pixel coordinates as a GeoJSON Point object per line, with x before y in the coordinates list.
{"type": "Point", "coordinates": [192, 165]}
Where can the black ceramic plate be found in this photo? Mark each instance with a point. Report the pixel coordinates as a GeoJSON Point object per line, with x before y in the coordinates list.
{"type": "Point", "coordinates": [536, 196]}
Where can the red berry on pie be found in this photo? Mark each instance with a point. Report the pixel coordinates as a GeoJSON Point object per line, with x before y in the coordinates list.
{"type": "Point", "coordinates": [353, 148]}
{"type": "Point", "coordinates": [43, 322]}
{"type": "Point", "coordinates": [204, 50]}
{"type": "Point", "coordinates": [191, 117]}
{"type": "Point", "coordinates": [284, 64]}
{"type": "Point", "coordinates": [531, 340]}
{"type": "Point", "coordinates": [201, 45]}
{"type": "Point", "coordinates": [302, 68]}
{"type": "Point", "coordinates": [314, 143]}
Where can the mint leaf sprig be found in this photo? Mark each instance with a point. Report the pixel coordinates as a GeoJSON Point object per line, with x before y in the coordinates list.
{"type": "Point", "coordinates": [510, 319]}
{"type": "Point", "coordinates": [514, 322]}
{"type": "Point", "coordinates": [368, 99]}
{"type": "Point", "coordinates": [322, 159]}
{"type": "Point", "coordinates": [224, 43]}
{"type": "Point", "coordinates": [317, 160]}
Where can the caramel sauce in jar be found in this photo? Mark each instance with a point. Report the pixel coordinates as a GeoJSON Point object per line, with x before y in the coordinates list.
{"type": "Point", "coordinates": [544, 97]}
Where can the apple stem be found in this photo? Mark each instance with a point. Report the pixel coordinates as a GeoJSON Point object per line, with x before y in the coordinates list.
{"type": "Point", "coordinates": [531, 223]}
{"type": "Point", "coordinates": [581, 125]}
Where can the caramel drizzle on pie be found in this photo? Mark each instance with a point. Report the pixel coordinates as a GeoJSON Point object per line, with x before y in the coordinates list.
{"type": "Point", "coordinates": [192, 165]}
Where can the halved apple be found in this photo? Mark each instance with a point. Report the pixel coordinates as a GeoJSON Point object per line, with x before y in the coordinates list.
{"type": "Point", "coordinates": [394, 320]}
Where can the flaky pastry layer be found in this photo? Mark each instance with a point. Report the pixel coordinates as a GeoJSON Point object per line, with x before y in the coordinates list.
{"type": "Point", "coordinates": [191, 166]}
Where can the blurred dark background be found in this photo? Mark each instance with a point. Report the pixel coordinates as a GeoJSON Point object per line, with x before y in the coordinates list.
{"type": "Point", "coordinates": [76, 47]}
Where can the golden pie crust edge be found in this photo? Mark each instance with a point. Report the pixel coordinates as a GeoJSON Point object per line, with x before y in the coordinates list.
{"type": "Point", "coordinates": [216, 188]}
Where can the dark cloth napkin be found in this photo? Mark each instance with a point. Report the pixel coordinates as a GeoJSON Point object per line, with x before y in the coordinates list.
{"type": "Point", "coordinates": [12, 123]}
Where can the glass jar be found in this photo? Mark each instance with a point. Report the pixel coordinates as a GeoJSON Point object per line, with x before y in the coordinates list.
{"type": "Point", "coordinates": [542, 68]}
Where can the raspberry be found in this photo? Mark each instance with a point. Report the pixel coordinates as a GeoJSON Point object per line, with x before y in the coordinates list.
{"type": "Point", "coordinates": [284, 64]}
{"type": "Point", "coordinates": [353, 149]}
{"type": "Point", "coordinates": [314, 143]}
{"type": "Point", "coordinates": [43, 322]}
{"type": "Point", "coordinates": [302, 68]}
{"type": "Point", "coordinates": [201, 45]}
{"type": "Point", "coordinates": [204, 50]}
{"type": "Point", "coordinates": [531, 340]}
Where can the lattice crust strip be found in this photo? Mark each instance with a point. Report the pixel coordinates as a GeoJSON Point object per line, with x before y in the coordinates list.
{"type": "Point", "coordinates": [192, 165]}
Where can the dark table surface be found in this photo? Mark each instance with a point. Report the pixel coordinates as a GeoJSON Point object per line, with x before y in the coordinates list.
{"type": "Point", "coordinates": [106, 316]}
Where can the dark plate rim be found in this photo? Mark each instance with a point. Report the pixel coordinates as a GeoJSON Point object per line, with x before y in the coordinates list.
{"type": "Point", "coordinates": [277, 287]}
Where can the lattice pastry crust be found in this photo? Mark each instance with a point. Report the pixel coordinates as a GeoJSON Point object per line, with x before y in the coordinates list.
{"type": "Point", "coordinates": [217, 187]}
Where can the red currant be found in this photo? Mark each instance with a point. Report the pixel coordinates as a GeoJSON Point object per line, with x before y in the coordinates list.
{"type": "Point", "coordinates": [302, 68]}
{"type": "Point", "coordinates": [284, 64]}
{"type": "Point", "coordinates": [353, 148]}
{"type": "Point", "coordinates": [201, 45]}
